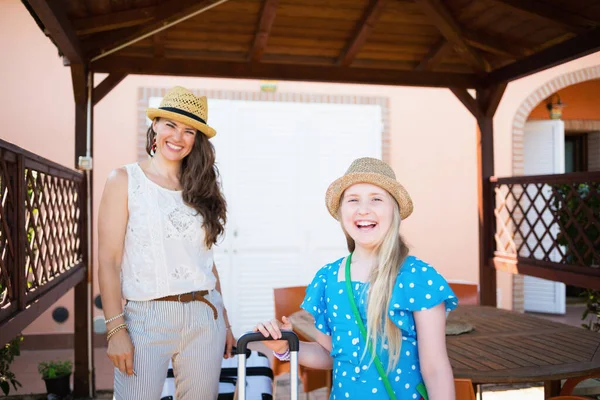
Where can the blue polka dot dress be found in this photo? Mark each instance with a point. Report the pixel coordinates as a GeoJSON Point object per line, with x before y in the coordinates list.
{"type": "Point", "coordinates": [418, 287]}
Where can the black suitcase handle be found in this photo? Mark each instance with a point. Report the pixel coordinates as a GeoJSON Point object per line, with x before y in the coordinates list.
{"type": "Point", "coordinates": [242, 342]}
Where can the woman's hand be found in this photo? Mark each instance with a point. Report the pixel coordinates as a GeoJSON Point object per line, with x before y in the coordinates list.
{"type": "Point", "coordinates": [273, 328]}
{"type": "Point", "coordinates": [229, 342]}
{"type": "Point", "coordinates": [120, 352]}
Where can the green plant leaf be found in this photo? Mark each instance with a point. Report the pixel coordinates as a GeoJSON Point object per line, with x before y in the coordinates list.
{"type": "Point", "coordinates": [5, 387]}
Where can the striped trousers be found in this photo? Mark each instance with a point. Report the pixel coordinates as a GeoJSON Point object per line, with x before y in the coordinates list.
{"type": "Point", "coordinates": [185, 333]}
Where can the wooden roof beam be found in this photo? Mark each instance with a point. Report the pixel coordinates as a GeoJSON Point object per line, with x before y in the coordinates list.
{"type": "Point", "coordinates": [435, 55]}
{"type": "Point", "coordinates": [449, 28]}
{"type": "Point", "coordinates": [112, 21]}
{"type": "Point", "coordinates": [58, 27]}
{"type": "Point", "coordinates": [261, 38]}
{"type": "Point", "coordinates": [108, 84]}
{"type": "Point", "coordinates": [495, 45]}
{"type": "Point", "coordinates": [362, 32]}
{"type": "Point", "coordinates": [579, 46]}
{"type": "Point", "coordinates": [172, 13]}
{"type": "Point", "coordinates": [291, 72]}
{"type": "Point", "coordinates": [558, 16]}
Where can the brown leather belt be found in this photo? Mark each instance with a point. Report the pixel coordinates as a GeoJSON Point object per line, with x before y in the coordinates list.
{"type": "Point", "coordinates": [191, 296]}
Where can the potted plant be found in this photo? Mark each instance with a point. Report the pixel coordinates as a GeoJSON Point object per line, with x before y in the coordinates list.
{"type": "Point", "coordinates": [7, 355]}
{"type": "Point", "coordinates": [57, 376]}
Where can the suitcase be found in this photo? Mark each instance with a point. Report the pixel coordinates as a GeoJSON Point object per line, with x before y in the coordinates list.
{"type": "Point", "coordinates": [258, 372]}
{"type": "Point", "coordinates": [259, 378]}
{"type": "Point", "coordinates": [243, 376]}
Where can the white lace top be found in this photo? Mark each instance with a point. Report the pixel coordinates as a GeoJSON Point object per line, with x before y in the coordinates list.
{"type": "Point", "coordinates": [164, 252]}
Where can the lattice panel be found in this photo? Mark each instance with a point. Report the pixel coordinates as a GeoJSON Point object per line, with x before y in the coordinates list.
{"type": "Point", "coordinates": [554, 222]}
{"type": "Point", "coordinates": [51, 222]}
{"type": "Point", "coordinates": [7, 247]}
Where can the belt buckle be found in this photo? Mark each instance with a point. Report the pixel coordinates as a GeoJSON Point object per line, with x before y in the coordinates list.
{"type": "Point", "coordinates": [179, 298]}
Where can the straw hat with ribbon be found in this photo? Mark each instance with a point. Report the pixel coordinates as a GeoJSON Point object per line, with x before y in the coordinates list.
{"type": "Point", "coordinates": [375, 172]}
{"type": "Point", "coordinates": [181, 105]}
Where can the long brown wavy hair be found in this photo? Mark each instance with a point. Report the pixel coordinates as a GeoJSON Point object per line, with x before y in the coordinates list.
{"type": "Point", "coordinates": [201, 188]}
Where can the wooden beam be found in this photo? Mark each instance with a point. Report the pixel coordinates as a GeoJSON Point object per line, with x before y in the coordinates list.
{"type": "Point", "coordinates": [435, 55]}
{"type": "Point", "coordinates": [579, 46]}
{"type": "Point", "coordinates": [491, 98]}
{"type": "Point", "coordinates": [495, 45]}
{"type": "Point", "coordinates": [108, 84]}
{"type": "Point", "coordinates": [261, 38]}
{"type": "Point", "coordinates": [171, 12]}
{"type": "Point", "coordinates": [586, 277]}
{"type": "Point", "coordinates": [58, 28]}
{"type": "Point", "coordinates": [79, 79]}
{"type": "Point", "coordinates": [487, 101]}
{"type": "Point", "coordinates": [112, 21]}
{"type": "Point", "coordinates": [468, 101]}
{"type": "Point", "coordinates": [362, 31]}
{"type": "Point", "coordinates": [291, 72]}
{"type": "Point", "coordinates": [158, 41]}
{"type": "Point", "coordinates": [440, 16]}
{"type": "Point", "coordinates": [549, 12]}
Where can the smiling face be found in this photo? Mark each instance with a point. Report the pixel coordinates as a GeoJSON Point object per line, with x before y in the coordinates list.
{"type": "Point", "coordinates": [174, 140]}
{"type": "Point", "coordinates": [366, 212]}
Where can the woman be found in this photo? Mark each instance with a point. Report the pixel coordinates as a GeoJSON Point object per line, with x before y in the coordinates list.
{"type": "Point", "coordinates": [381, 313]}
{"type": "Point", "coordinates": [157, 224]}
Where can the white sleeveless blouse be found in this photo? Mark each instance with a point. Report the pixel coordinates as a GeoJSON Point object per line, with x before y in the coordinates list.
{"type": "Point", "coordinates": [164, 251]}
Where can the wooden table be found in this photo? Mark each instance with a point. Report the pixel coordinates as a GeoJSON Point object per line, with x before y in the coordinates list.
{"type": "Point", "coordinates": [510, 347]}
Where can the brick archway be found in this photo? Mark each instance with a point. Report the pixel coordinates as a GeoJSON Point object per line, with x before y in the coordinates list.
{"type": "Point", "coordinates": [518, 133]}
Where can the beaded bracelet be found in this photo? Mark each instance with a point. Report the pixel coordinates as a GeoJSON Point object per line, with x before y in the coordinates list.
{"type": "Point", "coordinates": [114, 318]}
{"type": "Point", "coordinates": [285, 356]}
{"type": "Point", "coordinates": [115, 330]}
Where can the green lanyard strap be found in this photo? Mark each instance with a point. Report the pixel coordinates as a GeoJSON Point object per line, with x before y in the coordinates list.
{"type": "Point", "coordinates": [386, 382]}
{"type": "Point", "coordinates": [363, 331]}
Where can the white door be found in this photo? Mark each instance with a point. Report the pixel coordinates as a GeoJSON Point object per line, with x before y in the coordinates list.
{"type": "Point", "coordinates": [544, 154]}
{"type": "Point", "coordinates": [276, 160]}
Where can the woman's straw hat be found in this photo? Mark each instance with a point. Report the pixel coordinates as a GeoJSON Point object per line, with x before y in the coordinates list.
{"type": "Point", "coordinates": [181, 105]}
{"type": "Point", "coordinates": [373, 171]}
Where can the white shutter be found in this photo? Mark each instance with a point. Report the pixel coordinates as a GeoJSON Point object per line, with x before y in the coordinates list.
{"type": "Point", "coordinates": [544, 154]}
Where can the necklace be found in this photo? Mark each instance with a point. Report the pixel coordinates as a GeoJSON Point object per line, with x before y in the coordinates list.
{"type": "Point", "coordinates": [157, 172]}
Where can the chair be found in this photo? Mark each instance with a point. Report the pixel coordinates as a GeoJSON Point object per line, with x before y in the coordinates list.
{"type": "Point", "coordinates": [287, 302]}
{"type": "Point", "coordinates": [569, 385]}
{"type": "Point", "coordinates": [467, 293]}
{"type": "Point", "coordinates": [464, 389]}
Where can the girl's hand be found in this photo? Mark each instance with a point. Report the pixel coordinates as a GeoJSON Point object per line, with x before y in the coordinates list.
{"type": "Point", "coordinates": [273, 328]}
{"type": "Point", "coordinates": [229, 342]}
{"type": "Point", "coordinates": [120, 351]}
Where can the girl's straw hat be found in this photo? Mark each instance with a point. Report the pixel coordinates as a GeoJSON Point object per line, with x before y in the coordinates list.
{"type": "Point", "coordinates": [181, 105]}
{"type": "Point", "coordinates": [373, 171]}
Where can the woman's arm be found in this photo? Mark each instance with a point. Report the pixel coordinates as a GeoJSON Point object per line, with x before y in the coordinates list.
{"type": "Point", "coordinates": [229, 338]}
{"type": "Point", "coordinates": [112, 224]}
{"type": "Point", "coordinates": [311, 354]}
{"type": "Point", "coordinates": [433, 356]}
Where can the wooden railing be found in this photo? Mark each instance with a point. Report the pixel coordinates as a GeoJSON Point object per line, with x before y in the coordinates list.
{"type": "Point", "coordinates": [549, 226]}
{"type": "Point", "coordinates": [41, 236]}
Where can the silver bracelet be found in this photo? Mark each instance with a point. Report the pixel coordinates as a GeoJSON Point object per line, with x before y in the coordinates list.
{"type": "Point", "coordinates": [114, 318]}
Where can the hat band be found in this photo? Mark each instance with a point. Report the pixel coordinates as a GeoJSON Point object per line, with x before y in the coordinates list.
{"type": "Point", "coordinates": [184, 113]}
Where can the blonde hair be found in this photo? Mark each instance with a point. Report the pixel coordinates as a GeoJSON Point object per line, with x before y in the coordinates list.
{"type": "Point", "coordinates": [391, 252]}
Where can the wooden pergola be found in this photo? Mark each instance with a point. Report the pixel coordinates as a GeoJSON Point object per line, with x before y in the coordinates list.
{"type": "Point", "coordinates": [455, 44]}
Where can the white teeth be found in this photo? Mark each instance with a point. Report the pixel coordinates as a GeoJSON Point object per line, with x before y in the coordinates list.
{"type": "Point", "coordinates": [174, 147]}
{"type": "Point", "coordinates": [364, 223]}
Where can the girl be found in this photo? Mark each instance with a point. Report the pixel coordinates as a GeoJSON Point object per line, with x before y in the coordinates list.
{"type": "Point", "coordinates": [400, 300]}
{"type": "Point", "coordinates": [157, 223]}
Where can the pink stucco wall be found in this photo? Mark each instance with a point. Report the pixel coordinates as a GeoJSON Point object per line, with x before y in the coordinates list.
{"type": "Point", "coordinates": [432, 139]}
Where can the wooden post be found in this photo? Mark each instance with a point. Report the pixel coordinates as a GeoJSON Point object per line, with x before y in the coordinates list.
{"type": "Point", "coordinates": [483, 108]}
{"type": "Point", "coordinates": [84, 375]}
{"type": "Point", "coordinates": [488, 100]}
{"type": "Point", "coordinates": [485, 202]}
